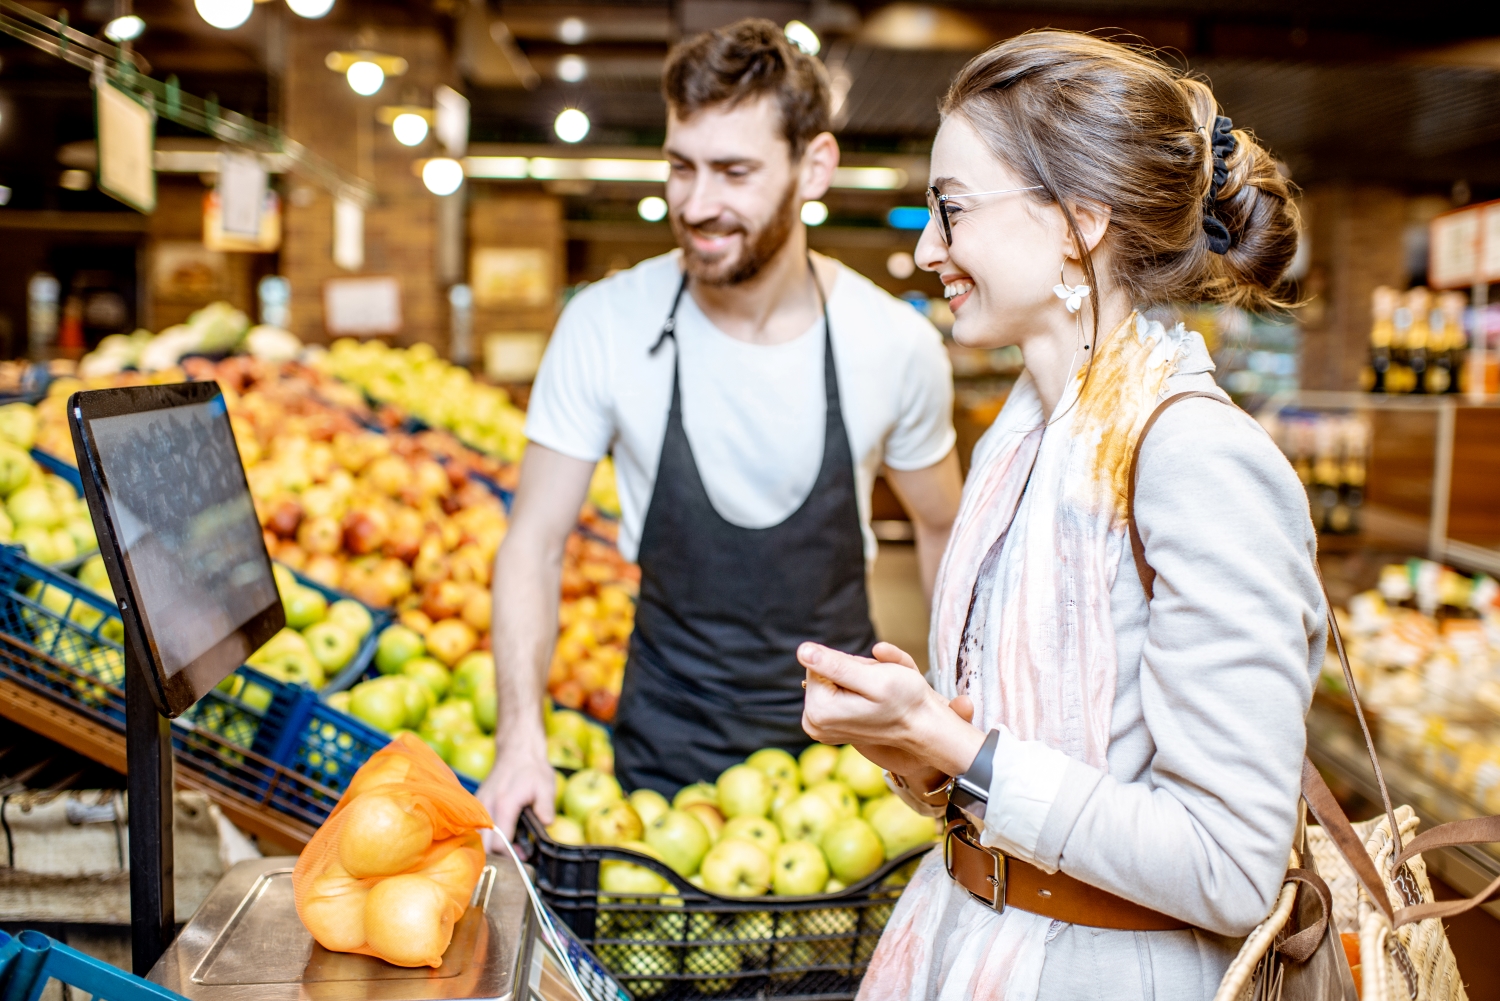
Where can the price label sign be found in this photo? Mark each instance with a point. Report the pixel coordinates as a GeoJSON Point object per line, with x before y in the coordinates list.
{"type": "Point", "coordinates": [1465, 247]}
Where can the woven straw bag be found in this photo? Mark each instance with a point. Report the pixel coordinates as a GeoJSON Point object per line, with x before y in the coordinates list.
{"type": "Point", "coordinates": [1366, 879]}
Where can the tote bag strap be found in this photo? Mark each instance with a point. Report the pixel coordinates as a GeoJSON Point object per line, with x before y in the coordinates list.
{"type": "Point", "coordinates": [1320, 801]}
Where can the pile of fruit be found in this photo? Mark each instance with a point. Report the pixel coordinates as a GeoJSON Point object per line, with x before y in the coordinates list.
{"type": "Point", "coordinates": [772, 824]}
{"type": "Point", "coordinates": [419, 383]}
{"type": "Point", "coordinates": [102, 665]}
{"type": "Point", "coordinates": [595, 619]}
{"type": "Point", "coordinates": [42, 512]}
{"type": "Point", "coordinates": [217, 328]}
{"type": "Point", "coordinates": [395, 865]}
{"type": "Point", "coordinates": [320, 639]}
{"type": "Point", "coordinates": [447, 699]}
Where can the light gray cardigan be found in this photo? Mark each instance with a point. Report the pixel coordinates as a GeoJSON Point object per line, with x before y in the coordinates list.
{"type": "Point", "coordinates": [1195, 815]}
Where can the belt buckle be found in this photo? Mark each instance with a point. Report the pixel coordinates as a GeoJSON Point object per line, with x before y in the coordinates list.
{"type": "Point", "coordinates": [998, 859]}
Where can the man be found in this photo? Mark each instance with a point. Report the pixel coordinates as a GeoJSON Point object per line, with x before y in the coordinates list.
{"type": "Point", "coordinates": [749, 392]}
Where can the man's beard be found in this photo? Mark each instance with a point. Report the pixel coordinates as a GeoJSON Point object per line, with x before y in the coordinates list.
{"type": "Point", "coordinates": [760, 245]}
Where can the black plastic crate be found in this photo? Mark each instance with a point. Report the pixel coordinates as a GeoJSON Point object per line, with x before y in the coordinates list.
{"type": "Point", "coordinates": [698, 944]}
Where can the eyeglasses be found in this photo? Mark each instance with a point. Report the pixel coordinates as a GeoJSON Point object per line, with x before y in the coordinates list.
{"type": "Point", "coordinates": [937, 206]}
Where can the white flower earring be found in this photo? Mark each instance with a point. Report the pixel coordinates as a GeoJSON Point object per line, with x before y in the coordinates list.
{"type": "Point", "coordinates": [1072, 295]}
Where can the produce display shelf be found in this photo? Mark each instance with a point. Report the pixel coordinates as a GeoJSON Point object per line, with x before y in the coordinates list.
{"type": "Point", "coordinates": [697, 943]}
{"type": "Point", "coordinates": [267, 745]}
{"type": "Point", "coordinates": [1335, 746]}
{"type": "Point", "coordinates": [364, 656]}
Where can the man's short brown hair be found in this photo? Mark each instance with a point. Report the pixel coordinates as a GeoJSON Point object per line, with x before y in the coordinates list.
{"type": "Point", "coordinates": [744, 61]}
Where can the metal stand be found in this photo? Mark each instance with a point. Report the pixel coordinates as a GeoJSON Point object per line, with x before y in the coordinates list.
{"type": "Point", "coordinates": [148, 754]}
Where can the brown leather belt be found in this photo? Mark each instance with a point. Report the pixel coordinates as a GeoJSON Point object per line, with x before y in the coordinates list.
{"type": "Point", "coordinates": [997, 880]}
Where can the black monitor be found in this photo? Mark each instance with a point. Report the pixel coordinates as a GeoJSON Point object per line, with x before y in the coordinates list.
{"type": "Point", "coordinates": [178, 533]}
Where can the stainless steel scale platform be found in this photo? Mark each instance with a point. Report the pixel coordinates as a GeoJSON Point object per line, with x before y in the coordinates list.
{"type": "Point", "coordinates": [246, 943]}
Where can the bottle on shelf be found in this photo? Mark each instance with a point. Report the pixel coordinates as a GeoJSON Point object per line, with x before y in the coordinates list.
{"type": "Point", "coordinates": [1382, 331]}
{"type": "Point", "coordinates": [1446, 348]}
{"type": "Point", "coordinates": [1418, 337]}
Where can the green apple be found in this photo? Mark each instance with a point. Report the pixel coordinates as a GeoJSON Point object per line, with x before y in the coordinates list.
{"type": "Point", "coordinates": [562, 752]}
{"type": "Point", "coordinates": [626, 879]}
{"type": "Point", "coordinates": [285, 579]}
{"type": "Point", "coordinates": [707, 960]}
{"type": "Point", "coordinates": [418, 701]}
{"type": "Point", "coordinates": [304, 606]}
{"type": "Point", "coordinates": [817, 763]}
{"type": "Point", "coordinates": [600, 753]}
{"type": "Point", "coordinates": [339, 701]}
{"type": "Point", "coordinates": [776, 764]}
{"type": "Point", "coordinates": [474, 673]}
{"type": "Point", "coordinates": [448, 723]}
{"type": "Point", "coordinates": [15, 468]}
{"type": "Point", "coordinates": [757, 830]}
{"type": "Point", "coordinates": [698, 792]}
{"type": "Point", "coordinates": [833, 921]}
{"type": "Point", "coordinates": [743, 792]}
{"type": "Point", "coordinates": [95, 576]}
{"type": "Point", "coordinates": [352, 616]}
{"type": "Point", "coordinates": [835, 885]}
{"type": "Point", "coordinates": [680, 837]}
{"type": "Point", "coordinates": [287, 657]}
{"type": "Point", "coordinates": [839, 796]}
{"type": "Point", "coordinates": [806, 818]}
{"type": "Point", "coordinates": [587, 791]}
{"type": "Point", "coordinates": [430, 673]}
{"type": "Point", "coordinates": [565, 831]}
{"type": "Point", "coordinates": [737, 868]}
{"type": "Point", "coordinates": [64, 546]}
{"type": "Point", "coordinates": [486, 709]}
{"type": "Point", "coordinates": [38, 541]}
{"type": "Point", "coordinates": [332, 645]}
{"type": "Point", "coordinates": [18, 426]}
{"type": "Point", "coordinates": [637, 961]}
{"type": "Point", "coordinates": [790, 960]}
{"type": "Point", "coordinates": [859, 773]}
{"type": "Point", "coordinates": [613, 824]}
{"type": "Point", "coordinates": [396, 646]}
{"type": "Point", "coordinates": [649, 804]}
{"type": "Point", "coordinates": [868, 807]}
{"type": "Point", "coordinates": [82, 531]}
{"type": "Point", "coordinates": [32, 505]}
{"type": "Point", "coordinates": [798, 869]}
{"type": "Point", "coordinates": [557, 795]}
{"type": "Point", "coordinates": [569, 724]}
{"type": "Point", "coordinates": [474, 757]}
{"type": "Point", "coordinates": [853, 848]}
{"type": "Point", "coordinates": [900, 827]}
{"type": "Point", "coordinates": [378, 703]}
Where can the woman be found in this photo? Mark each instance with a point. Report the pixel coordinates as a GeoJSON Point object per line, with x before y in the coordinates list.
{"type": "Point", "coordinates": [1136, 760]}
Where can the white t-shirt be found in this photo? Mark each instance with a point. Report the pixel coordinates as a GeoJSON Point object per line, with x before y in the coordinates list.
{"type": "Point", "coordinates": [753, 413]}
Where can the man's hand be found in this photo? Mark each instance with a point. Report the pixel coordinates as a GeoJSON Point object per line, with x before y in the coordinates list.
{"type": "Point", "coordinates": [521, 778]}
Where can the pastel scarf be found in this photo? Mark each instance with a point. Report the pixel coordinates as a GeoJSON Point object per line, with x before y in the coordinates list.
{"type": "Point", "coordinates": [1042, 659]}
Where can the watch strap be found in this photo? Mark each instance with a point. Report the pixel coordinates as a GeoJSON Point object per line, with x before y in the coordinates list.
{"type": "Point", "coordinates": [971, 790]}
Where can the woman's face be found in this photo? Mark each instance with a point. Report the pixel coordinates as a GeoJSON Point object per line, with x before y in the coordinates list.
{"type": "Point", "coordinates": [999, 272]}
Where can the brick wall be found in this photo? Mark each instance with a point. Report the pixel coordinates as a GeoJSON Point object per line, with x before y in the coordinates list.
{"type": "Point", "coordinates": [323, 113]}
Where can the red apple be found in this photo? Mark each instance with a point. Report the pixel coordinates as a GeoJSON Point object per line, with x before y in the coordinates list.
{"type": "Point", "coordinates": [601, 704]}
{"type": "Point", "coordinates": [444, 600]}
{"type": "Point", "coordinates": [365, 530]}
{"type": "Point", "coordinates": [320, 536]}
{"type": "Point", "coordinates": [286, 514]}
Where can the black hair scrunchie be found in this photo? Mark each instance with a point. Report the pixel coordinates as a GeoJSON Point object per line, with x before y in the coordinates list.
{"type": "Point", "coordinates": [1223, 144]}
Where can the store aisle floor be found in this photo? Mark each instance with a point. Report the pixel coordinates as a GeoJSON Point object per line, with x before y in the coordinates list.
{"type": "Point", "coordinates": [896, 601]}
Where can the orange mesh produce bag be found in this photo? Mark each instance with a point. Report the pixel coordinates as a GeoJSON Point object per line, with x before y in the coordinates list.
{"type": "Point", "coordinates": [394, 865]}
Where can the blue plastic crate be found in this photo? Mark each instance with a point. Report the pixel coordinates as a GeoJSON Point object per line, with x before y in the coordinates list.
{"type": "Point", "coordinates": [30, 959]}
{"type": "Point", "coordinates": [60, 467]}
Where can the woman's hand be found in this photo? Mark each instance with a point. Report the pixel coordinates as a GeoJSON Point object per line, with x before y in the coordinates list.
{"type": "Point", "coordinates": [885, 708]}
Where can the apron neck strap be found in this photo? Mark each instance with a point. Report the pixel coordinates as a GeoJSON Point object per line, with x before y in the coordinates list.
{"type": "Point", "coordinates": [669, 328]}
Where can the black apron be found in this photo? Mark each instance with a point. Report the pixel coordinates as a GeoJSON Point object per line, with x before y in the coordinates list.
{"type": "Point", "coordinates": [713, 672]}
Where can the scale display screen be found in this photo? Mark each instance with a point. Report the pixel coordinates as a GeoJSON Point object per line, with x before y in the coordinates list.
{"type": "Point", "coordinates": [178, 533]}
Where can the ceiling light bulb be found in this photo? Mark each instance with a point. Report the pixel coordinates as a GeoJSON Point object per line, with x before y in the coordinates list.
{"type": "Point", "coordinates": [125, 28]}
{"type": "Point", "coordinates": [814, 213]}
{"type": "Point", "coordinates": [225, 14]}
{"type": "Point", "coordinates": [803, 37]}
{"type": "Point", "coordinates": [652, 208]}
{"type": "Point", "coordinates": [364, 77]}
{"type": "Point", "coordinates": [410, 129]}
{"type": "Point", "coordinates": [571, 125]}
{"type": "Point", "coordinates": [572, 30]}
{"type": "Point", "coordinates": [572, 69]}
{"type": "Point", "coordinates": [310, 8]}
{"type": "Point", "coordinates": [442, 175]}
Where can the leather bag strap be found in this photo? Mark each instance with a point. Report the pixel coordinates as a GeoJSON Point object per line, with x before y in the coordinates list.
{"type": "Point", "coordinates": [1300, 947]}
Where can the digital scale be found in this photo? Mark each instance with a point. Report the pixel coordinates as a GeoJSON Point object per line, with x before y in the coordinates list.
{"type": "Point", "coordinates": [185, 555]}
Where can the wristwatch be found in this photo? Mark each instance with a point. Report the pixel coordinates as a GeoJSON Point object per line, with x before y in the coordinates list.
{"type": "Point", "coordinates": [970, 792]}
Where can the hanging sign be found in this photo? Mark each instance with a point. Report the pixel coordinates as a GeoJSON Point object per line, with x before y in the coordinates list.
{"type": "Point", "coordinates": [217, 237]}
{"type": "Point", "coordinates": [348, 234]}
{"type": "Point", "coordinates": [127, 134]}
{"type": "Point", "coordinates": [452, 125]}
{"type": "Point", "coordinates": [1465, 246]}
{"type": "Point", "coordinates": [242, 193]}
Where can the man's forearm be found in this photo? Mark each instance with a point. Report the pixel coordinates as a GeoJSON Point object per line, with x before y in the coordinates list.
{"type": "Point", "coordinates": [930, 541]}
{"type": "Point", "coordinates": [527, 583]}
